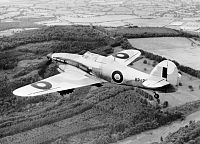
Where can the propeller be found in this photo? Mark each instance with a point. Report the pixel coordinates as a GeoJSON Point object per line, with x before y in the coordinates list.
{"type": "Point", "coordinates": [44, 65]}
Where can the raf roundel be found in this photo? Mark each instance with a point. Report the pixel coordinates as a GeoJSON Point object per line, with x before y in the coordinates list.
{"type": "Point", "coordinates": [42, 85]}
{"type": "Point", "coordinates": [117, 76]}
{"type": "Point", "coordinates": [122, 55]}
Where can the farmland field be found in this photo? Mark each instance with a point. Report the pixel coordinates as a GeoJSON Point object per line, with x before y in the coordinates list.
{"type": "Point", "coordinates": [99, 12]}
{"type": "Point", "coordinates": [183, 50]}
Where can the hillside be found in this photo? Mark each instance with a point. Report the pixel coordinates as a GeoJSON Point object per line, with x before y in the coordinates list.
{"type": "Point", "coordinates": [105, 114]}
{"type": "Point", "coordinates": [88, 114]}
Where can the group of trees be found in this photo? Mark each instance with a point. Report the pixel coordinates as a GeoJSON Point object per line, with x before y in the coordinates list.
{"type": "Point", "coordinates": [146, 32]}
{"type": "Point", "coordinates": [144, 94]}
{"type": "Point", "coordinates": [61, 33]}
{"type": "Point", "coordinates": [143, 32]}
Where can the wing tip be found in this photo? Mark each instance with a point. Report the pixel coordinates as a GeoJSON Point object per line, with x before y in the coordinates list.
{"type": "Point", "coordinates": [18, 93]}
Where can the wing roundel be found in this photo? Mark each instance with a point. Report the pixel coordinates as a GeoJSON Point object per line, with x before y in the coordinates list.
{"type": "Point", "coordinates": [42, 85]}
{"type": "Point", "coordinates": [125, 57]}
{"type": "Point", "coordinates": [121, 55]}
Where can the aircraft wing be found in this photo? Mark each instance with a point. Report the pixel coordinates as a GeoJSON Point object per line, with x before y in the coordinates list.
{"type": "Point", "coordinates": [59, 82]}
{"type": "Point", "coordinates": [155, 82]}
{"type": "Point", "coordinates": [126, 56]}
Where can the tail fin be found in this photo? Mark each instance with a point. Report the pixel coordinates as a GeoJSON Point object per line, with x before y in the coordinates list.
{"type": "Point", "coordinates": [166, 70]}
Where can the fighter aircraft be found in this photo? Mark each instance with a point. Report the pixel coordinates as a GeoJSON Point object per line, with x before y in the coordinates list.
{"type": "Point", "coordinates": [90, 68]}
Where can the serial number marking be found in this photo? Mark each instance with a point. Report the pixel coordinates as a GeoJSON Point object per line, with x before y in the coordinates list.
{"type": "Point", "coordinates": [139, 80]}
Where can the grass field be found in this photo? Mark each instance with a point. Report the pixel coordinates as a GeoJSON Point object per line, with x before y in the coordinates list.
{"type": "Point", "coordinates": [185, 51]}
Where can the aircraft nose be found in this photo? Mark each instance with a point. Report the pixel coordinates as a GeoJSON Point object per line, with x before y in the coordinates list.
{"type": "Point", "coordinates": [49, 56]}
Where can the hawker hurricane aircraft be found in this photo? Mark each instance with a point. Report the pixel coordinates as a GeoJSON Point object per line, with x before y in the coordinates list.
{"type": "Point", "coordinates": [90, 69]}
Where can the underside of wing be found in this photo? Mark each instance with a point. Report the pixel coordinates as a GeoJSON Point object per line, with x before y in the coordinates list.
{"type": "Point", "coordinates": [155, 82]}
{"type": "Point", "coordinates": [126, 56]}
{"type": "Point", "coordinates": [63, 81]}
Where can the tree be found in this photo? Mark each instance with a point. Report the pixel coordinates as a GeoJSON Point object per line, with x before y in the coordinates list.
{"type": "Point", "coordinates": [191, 88]}
{"type": "Point", "coordinates": [145, 62]}
{"type": "Point", "coordinates": [154, 63]}
{"type": "Point", "coordinates": [165, 104]}
{"type": "Point", "coordinates": [158, 100]}
{"type": "Point", "coordinates": [150, 97]}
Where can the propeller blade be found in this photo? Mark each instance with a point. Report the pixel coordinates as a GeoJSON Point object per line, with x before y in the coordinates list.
{"type": "Point", "coordinates": [43, 67]}
{"type": "Point", "coordinates": [49, 56]}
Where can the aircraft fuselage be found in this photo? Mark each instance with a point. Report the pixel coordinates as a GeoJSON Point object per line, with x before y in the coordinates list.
{"type": "Point", "coordinates": [90, 68]}
{"type": "Point", "coordinates": [103, 67]}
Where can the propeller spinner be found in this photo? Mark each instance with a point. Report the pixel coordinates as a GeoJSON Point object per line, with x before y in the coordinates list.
{"type": "Point", "coordinates": [45, 65]}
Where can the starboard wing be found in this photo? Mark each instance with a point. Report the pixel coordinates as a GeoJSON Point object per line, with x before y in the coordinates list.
{"type": "Point", "coordinates": [126, 56]}
{"type": "Point", "coordinates": [59, 82]}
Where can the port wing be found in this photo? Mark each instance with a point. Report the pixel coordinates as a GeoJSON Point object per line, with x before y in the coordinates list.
{"type": "Point", "coordinates": [63, 81]}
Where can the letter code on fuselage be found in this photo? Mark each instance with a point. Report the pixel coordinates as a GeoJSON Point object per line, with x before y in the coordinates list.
{"type": "Point", "coordinates": [139, 80]}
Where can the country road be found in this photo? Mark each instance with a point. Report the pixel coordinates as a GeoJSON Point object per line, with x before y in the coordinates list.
{"type": "Point", "coordinates": [155, 135]}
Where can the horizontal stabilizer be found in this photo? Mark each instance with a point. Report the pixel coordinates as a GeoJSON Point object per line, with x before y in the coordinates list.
{"type": "Point", "coordinates": [155, 82]}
